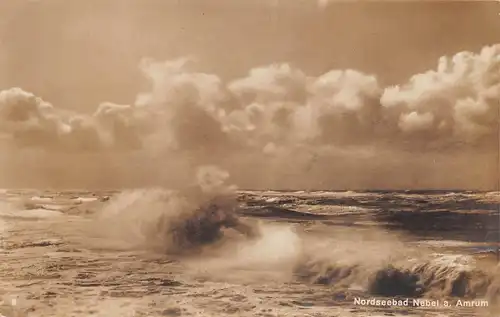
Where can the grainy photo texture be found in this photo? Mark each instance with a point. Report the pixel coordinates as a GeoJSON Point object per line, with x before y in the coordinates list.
{"type": "Point", "coordinates": [260, 158]}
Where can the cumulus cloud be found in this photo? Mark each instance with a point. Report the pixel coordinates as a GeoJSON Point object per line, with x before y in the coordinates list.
{"type": "Point", "coordinates": [457, 102]}
{"type": "Point", "coordinates": [29, 121]}
{"type": "Point", "coordinates": [276, 115]}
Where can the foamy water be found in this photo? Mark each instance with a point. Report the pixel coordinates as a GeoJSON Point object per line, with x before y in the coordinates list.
{"type": "Point", "coordinates": [289, 268]}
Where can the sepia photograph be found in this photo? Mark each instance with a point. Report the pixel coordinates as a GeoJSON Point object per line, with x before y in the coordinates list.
{"type": "Point", "coordinates": [249, 158]}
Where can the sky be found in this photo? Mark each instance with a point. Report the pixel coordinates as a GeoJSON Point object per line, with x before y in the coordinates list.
{"type": "Point", "coordinates": [76, 55]}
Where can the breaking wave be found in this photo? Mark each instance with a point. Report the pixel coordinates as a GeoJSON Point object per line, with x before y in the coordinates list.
{"type": "Point", "coordinates": [375, 261]}
{"type": "Point", "coordinates": [438, 277]}
{"type": "Point", "coordinates": [173, 221]}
